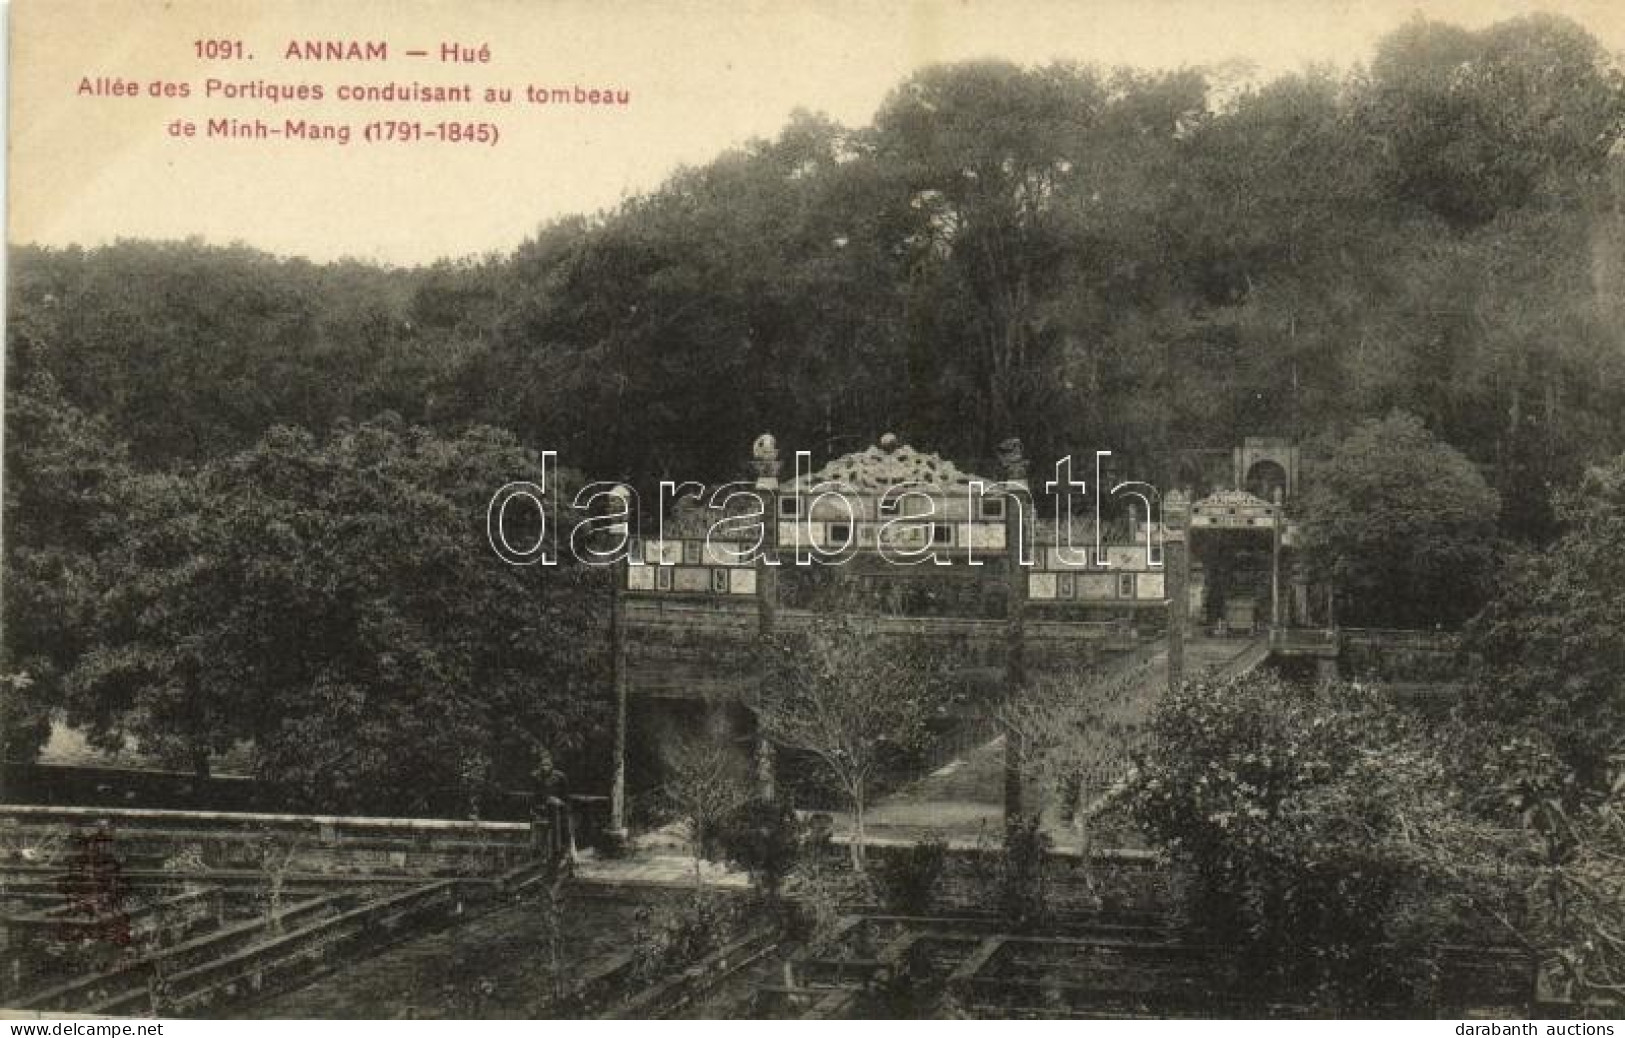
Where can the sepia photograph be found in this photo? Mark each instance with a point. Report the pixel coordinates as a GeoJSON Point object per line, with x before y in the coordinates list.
{"type": "Point", "coordinates": [813, 510]}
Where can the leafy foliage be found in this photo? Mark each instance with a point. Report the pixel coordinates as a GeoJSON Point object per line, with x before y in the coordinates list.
{"type": "Point", "coordinates": [766, 839]}
{"type": "Point", "coordinates": [1081, 257]}
{"type": "Point", "coordinates": [1583, 927]}
{"type": "Point", "coordinates": [1021, 872]}
{"type": "Point", "coordinates": [63, 474]}
{"type": "Point", "coordinates": [330, 601]}
{"type": "Point", "coordinates": [1481, 122]}
{"type": "Point", "coordinates": [1326, 838]}
{"type": "Point", "coordinates": [1194, 260]}
{"type": "Point", "coordinates": [849, 696]}
{"type": "Point", "coordinates": [705, 788]}
{"type": "Point", "coordinates": [1543, 733]}
{"type": "Point", "coordinates": [1404, 525]}
{"type": "Point", "coordinates": [667, 936]}
{"type": "Point", "coordinates": [1552, 639]}
{"type": "Point", "coordinates": [908, 881]}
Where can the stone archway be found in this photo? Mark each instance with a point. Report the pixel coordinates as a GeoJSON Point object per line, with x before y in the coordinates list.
{"type": "Point", "coordinates": [1264, 478]}
{"type": "Point", "coordinates": [1232, 536]}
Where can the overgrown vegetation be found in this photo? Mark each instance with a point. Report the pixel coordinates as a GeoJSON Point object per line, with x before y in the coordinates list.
{"type": "Point", "coordinates": [852, 698]}
{"type": "Point", "coordinates": [1342, 846]}
{"type": "Point", "coordinates": [1325, 840]}
{"type": "Point", "coordinates": [766, 839]}
{"type": "Point", "coordinates": [908, 881]}
{"type": "Point", "coordinates": [669, 935]}
{"type": "Point", "coordinates": [326, 600]}
{"type": "Point", "coordinates": [1403, 524]}
{"type": "Point", "coordinates": [1022, 866]}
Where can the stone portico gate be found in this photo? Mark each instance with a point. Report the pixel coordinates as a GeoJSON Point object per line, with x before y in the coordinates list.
{"type": "Point", "coordinates": [1017, 592]}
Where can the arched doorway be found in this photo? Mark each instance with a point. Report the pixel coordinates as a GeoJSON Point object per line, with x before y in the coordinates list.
{"type": "Point", "coordinates": [1264, 478]}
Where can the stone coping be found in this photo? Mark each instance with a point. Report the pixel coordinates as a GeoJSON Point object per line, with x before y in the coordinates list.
{"type": "Point", "coordinates": [24, 812]}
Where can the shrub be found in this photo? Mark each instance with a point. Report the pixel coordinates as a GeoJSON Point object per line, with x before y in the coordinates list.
{"type": "Point", "coordinates": [1325, 838]}
{"type": "Point", "coordinates": [764, 838]}
{"type": "Point", "coordinates": [822, 892]}
{"type": "Point", "coordinates": [667, 937]}
{"type": "Point", "coordinates": [908, 881]}
{"type": "Point", "coordinates": [1021, 876]}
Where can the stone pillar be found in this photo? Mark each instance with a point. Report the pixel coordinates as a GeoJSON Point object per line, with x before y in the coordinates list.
{"type": "Point", "coordinates": [1013, 461]}
{"type": "Point", "coordinates": [1275, 561]}
{"type": "Point", "coordinates": [618, 671]}
{"type": "Point", "coordinates": [1176, 572]}
{"type": "Point", "coordinates": [765, 461]}
{"type": "Point", "coordinates": [1299, 614]}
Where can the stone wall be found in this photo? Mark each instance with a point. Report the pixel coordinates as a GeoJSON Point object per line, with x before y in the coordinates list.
{"type": "Point", "coordinates": [200, 840]}
{"type": "Point", "coordinates": [1129, 885]}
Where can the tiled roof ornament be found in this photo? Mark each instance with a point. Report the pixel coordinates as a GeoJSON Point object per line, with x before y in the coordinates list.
{"type": "Point", "coordinates": [1013, 459]}
{"type": "Point", "coordinates": [1230, 499]}
{"type": "Point", "coordinates": [621, 496]}
{"type": "Point", "coordinates": [887, 464]}
{"type": "Point", "coordinates": [765, 460]}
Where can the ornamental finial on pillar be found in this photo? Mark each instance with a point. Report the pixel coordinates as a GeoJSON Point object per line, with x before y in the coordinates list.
{"type": "Point", "coordinates": [1013, 459]}
{"type": "Point", "coordinates": [621, 495]}
{"type": "Point", "coordinates": [765, 460]}
{"type": "Point", "coordinates": [1176, 514]}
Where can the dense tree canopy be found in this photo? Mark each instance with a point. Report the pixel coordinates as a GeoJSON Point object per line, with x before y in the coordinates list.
{"type": "Point", "coordinates": [1552, 639]}
{"type": "Point", "coordinates": [65, 473]}
{"type": "Point", "coordinates": [331, 602]}
{"type": "Point", "coordinates": [1086, 258]}
{"type": "Point", "coordinates": [1403, 524]}
{"type": "Point", "coordinates": [1328, 843]}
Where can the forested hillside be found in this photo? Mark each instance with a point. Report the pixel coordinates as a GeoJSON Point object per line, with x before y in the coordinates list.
{"type": "Point", "coordinates": [1086, 258]}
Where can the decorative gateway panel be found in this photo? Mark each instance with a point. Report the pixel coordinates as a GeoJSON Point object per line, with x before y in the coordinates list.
{"type": "Point", "coordinates": [863, 495]}
{"type": "Point", "coordinates": [1127, 559]}
{"type": "Point", "coordinates": [1233, 510]}
{"type": "Point", "coordinates": [1041, 585]}
{"type": "Point", "coordinates": [1099, 586]}
{"type": "Point", "coordinates": [889, 497]}
{"type": "Point", "coordinates": [689, 566]}
{"type": "Point", "coordinates": [1150, 586]}
{"type": "Point", "coordinates": [1060, 558]}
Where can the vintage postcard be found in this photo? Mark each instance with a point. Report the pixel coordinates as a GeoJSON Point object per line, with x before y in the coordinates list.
{"type": "Point", "coordinates": [815, 509]}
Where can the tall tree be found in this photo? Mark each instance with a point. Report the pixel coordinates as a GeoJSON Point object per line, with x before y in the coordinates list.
{"type": "Point", "coordinates": [980, 154]}
{"type": "Point", "coordinates": [1403, 524]}
{"type": "Point", "coordinates": [1476, 123]}
{"type": "Point", "coordinates": [64, 471]}
{"type": "Point", "coordinates": [1326, 839]}
{"type": "Point", "coordinates": [1552, 639]}
{"type": "Point", "coordinates": [851, 698]}
{"type": "Point", "coordinates": [334, 603]}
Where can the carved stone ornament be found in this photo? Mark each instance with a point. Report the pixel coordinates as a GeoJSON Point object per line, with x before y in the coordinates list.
{"type": "Point", "coordinates": [888, 464]}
